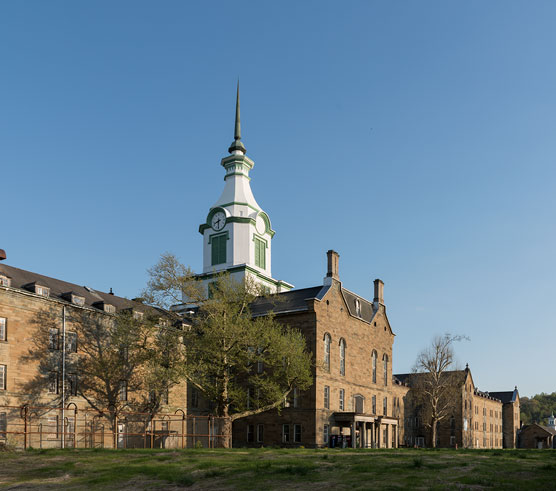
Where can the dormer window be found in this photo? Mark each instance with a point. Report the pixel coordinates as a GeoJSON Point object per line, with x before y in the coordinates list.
{"type": "Point", "coordinates": [357, 307]}
{"type": "Point", "coordinates": [77, 300]}
{"type": "Point", "coordinates": [106, 307]}
{"type": "Point", "coordinates": [137, 315]}
{"type": "Point", "coordinates": [42, 290]}
{"type": "Point", "coordinates": [4, 280]}
{"type": "Point", "coordinates": [73, 298]}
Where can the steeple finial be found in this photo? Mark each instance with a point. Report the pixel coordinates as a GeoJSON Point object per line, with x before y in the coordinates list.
{"type": "Point", "coordinates": [237, 145]}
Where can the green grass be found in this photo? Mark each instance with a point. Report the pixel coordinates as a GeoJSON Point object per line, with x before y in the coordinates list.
{"type": "Point", "coordinates": [253, 469]}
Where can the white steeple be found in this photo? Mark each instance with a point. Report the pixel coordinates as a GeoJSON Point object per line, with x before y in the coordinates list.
{"type": "Point", "coordinates": [552, 422]}
{"type": "Point", "coordinates": [237, 233]}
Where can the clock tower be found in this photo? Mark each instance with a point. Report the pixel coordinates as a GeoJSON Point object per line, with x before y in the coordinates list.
{"type": "Point", "coordinates": [237, 233]}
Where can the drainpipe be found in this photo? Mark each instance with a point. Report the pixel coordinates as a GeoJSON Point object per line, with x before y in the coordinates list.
{"type": "Point", "coordinates": [64, 376]}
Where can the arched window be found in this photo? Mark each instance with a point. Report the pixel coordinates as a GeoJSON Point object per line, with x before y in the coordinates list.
{"type": "Point", "coordinates": [342, 357]}
{"type": "Point", "coordinates": [385, 360]}
{"type": "Point", "coordinates": [373, 364]}
{"type": "Point", "coordinates": [327, 351]}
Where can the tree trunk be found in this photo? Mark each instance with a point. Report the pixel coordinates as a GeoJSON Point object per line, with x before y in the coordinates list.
{"type": "Point", "coordinates": [226, 440]}
{"type": "Point", "coordinates": [433, 433]}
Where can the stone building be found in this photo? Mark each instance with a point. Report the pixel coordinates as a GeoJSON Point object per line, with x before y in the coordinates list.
{"type": "Point", "coordinates": [537, 436]}
{"type": "Point", "coordinates": [476, 419]}
{"type": "Point", "coordinates": [353, 401]}
{"type": "Point", "coordinates": [24, 296]}
{"type": "Point", "coordinates": [510, 416]}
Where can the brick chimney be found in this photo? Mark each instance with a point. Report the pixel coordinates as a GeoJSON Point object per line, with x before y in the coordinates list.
{"type": "Point", "coordinates": [379, 292]}
{"type": "Point", "coordinates": [333, 267]}
{"type": "Point", "coordinates": [2, 254]}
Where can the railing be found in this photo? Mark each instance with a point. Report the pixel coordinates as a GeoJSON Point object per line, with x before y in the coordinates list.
{"type": "Point", "coordinates": [25, 427]}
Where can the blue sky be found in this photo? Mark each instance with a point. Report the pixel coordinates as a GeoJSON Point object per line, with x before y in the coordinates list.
{"type": "Point", "coordinates": [415, 138]}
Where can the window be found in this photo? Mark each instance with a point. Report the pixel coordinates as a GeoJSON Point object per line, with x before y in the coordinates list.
{"type": "Point", "coordinates": [297, 433]}
{"type": "Point", "coordinates": [71, 342]}
{"type": "Point", "coordinates": [385, 362]}
{"type": "Point", "coordinates": [250, 433]}
{"type": "Point", "coordinates": [3, 377]}
{"type": "Point", "coordinates": [357, 307]}
{"type": "Point", "coordinates": [342, 357]}
{"type": "Point", "coordinates": [71, 384]}
{"type": "Point", "coordinates": [342, 399]}
{"type": "Point", "coordinates": [285, 433]}
{"type": "Point", "coordinates": [327, 341]}
{"type": "Point", "coordinates": [53, 382]}
{"type": "Point", "coordinates": [385, 406]}
{"type": "Point", "coordinates": [218, 250]}
{"type": "Point", "coordinates": [109, 308]}
{"type": "Point", "coordinates": [325, 433]}
{"type": "Point", "coordinates": [260, 253]}
{"type": "Point", "coordinates": [4, 280]}
{"type": "Point", "coordinates": [194, 397]}
{"type": "Point", "coordinates": [77, 300]}
{"type": "Point", "coordinates": [260, 433]}
{"type": "Point", "coordinates": [42, 290]}
{"type": "Point", "coordinates": [124, 353]}
{"type": "Point", "coordinates": [295, 397]}
{"type": "Point", "coordinates": [122, 393]}
{"type": "Point", "coordinates": [373, 363]}
{"type": "Point", "coordinates": [3, 329]}
{"type": "Point", "coordinates": [3, 425]}
{"type": "Point", "coordinates": [373, 402]}
{"type": "Point", "coordinates": [359, 404]}
{"type": "Point", "coordinates": [53, 336]}
{"type": "Point", "coordinates": [326, 397]}
{"type": "Point", "coordinates": [164, 396]}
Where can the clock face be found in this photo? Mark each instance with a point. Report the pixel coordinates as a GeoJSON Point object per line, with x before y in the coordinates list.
{"type": "Point", "coordinates": [218, 220]}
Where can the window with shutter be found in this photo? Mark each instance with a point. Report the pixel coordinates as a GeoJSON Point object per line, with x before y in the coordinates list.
{"type": "Point", "coordinates": [260, 253]}
{"type": "Point", "coordinates": [218, 243]}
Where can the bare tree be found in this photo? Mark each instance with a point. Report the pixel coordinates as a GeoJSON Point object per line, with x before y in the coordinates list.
{"type": "Point", "coordinates": [435, 383]}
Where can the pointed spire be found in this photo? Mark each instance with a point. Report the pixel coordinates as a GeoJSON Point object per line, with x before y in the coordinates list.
{"type": "Point", "coordinates": [237, 144]}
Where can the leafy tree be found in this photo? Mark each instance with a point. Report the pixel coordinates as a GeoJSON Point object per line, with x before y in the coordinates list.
{"type": "Point", "coordinates": [538, 408]}
{"type": "Point", "coordinates": [244, 365]}
{"type": "Point", "coordinates": [115, 362]}
{"type": "Point", "coordinates": [436, 386]}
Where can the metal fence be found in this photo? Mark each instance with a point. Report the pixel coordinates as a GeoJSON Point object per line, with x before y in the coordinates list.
{"type": "Point", "coordinates": [25, 427]}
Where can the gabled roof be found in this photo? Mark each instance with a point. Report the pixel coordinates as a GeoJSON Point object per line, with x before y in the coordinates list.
{"type": "Point", "coordinates": [550, 431]}
{"type": "Point", "coordinates": [19, 278]}
{"type": "Point", "coordinates": [286, 302]}
{"type": "Point", "coordinates": [367, 309]}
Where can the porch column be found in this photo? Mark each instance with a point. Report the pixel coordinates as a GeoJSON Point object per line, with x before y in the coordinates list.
{"type": "Point", "coordinates": [353, 435]}
{"type": "Point", "coordinates": [363, 433]}
{"type": "Point", "coordinates": [387, 432]}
